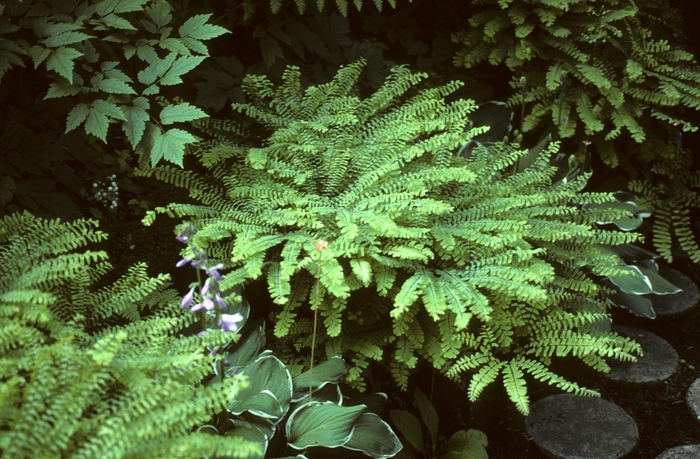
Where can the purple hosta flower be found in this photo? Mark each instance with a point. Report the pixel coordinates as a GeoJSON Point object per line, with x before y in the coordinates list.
{"type": "Point", "coordinates": [229, 322]}
{"type": "Point", "coordinates": [187, 300]}
{"type": "Point", "coordinates": [220, 301]}
{"type": "Point", "coordinates": [206, 303]}
{"type": "Point", "coordinates": [186, 231]}
{"type": "Point", "coordinates": [213, 272]}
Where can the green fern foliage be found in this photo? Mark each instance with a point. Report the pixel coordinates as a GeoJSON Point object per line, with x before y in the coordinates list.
{"type": "Point", "coordinates": [593, 69]}
{"type": "Point", "coordinates": [429, 255]}
{"type": "Point", "coordinates": [71, 386]}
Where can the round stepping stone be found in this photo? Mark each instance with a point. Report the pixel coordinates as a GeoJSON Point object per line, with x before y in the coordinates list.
{"type": "Point", "coordinates": [666, 305]}
{"type": "Point", "coordinates": [658, 362]}
{"type": "Point", "coordinates": [692, 399]}
{"type": "Point", "coordinates": [568, 426]}
{"type": "Point", "coordinates": [681, 452]}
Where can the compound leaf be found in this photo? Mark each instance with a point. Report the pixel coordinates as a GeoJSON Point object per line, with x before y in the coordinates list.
{"type": "Point", "coordinates": [181, 113]}
{"type": "Point", "coordinates": [61, 62]}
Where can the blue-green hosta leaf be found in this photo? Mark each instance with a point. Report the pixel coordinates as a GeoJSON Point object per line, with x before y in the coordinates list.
{"type": "Point", "coordinates": [66, 38]}
{"type": "Point", "coordinates": [266, 375]}
{"type": "Point", "coordinates": [181, 113]}
{"type": "Point", "coordinates": [330, 371]}
{"type": "Point", "coordinates": [466, 444]}
{"type": "Point", "coordinates": [196, 27]}
{"type": "Point", "coordinates": [179, 68]}
{"type": "Point", "coordinates": [409, 427]}
{"type": "Point", "coordinates": [637, 304]}
{"type": "Point", "coordinates": [635, 283]}
{"type": "Point", "coordinates": [61, 62]}
{"type": "Point", "coordinates": [170, 145]}
{"type": "Point", "coordinates": [136, 117]}
{"type": "Point", "coordinates": [428, 414]}
{"type": "Point", "coordinates": [373, 437]}
{"type": "Point", "coordinates": [249, 346]}
{"type": "Point", "coordinates": [263, 404]}
{"type": "Point", "coordinates": [322, 424]}
{"type": "Point", "coordinates": [659, 285]}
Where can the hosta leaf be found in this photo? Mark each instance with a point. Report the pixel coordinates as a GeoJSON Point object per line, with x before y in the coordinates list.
{"type": "Point", "coordinates": [322, 424]}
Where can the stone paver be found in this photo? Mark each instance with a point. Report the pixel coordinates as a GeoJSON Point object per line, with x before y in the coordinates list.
{"type": "Point", "coordinates": [681, 452]}
{"type": "Point", "coordinates": [666, 305]}
{"type": "Point", "coordinates": [692, 399]}
{"type": "Point", "coordinates": [567, 426]}
{"type": "Point", "coordinates": [658, 362]}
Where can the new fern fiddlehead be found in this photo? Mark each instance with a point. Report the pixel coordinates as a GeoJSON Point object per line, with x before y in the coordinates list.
{"type": "Point", "coordinates": [429, 255]}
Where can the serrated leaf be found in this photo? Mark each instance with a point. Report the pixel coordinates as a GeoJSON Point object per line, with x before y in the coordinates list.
{"type": "Point", "coordinates": [61, 89]}
{"type": "Point", "coordinates": [159, 12]}
{"type": "Point", "coordinates": [61, 62]}
{"type": "Point", "coordinates": [76, 116]}
{"type": "Point", "coordinates": [174, 45]}
{"type": "Point", "coordinates": [128, 6]}
{"type": "Point", "coordinates": [66, 38]}
{"type": "Point", "coordinates": [97, 122]}
{"type": "Point", "coordinates": [117, 22]}
{"type": "Point", "coordinates": [196, 27]}
{"type": "Point", "coordinates": [195, 45]}
{"type": "Point", "coordinates": [112, 86]}
{"type": "Point", "coordinates": [179, 68]}
{"type": "Point", "coordinates": [156, 69]}
{"type": "Point", "coordinates": [271, 50]}
{"type": "Point", "coordinates": [181, 113]}
{"type": "Point", "coordinates": [38, 54]}
{"type": "Point", "coordinates": [170, 145]}
{"type": "Point", "coordinates": [135, 123]}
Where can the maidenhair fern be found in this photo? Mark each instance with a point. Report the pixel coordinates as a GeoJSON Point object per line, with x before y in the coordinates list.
{"type": "Point", "coordinates": [71, 387]}
{"type": "Point", "coordinates": [430, 255]}
{"type": "Point", "coordinates": [593, 68]}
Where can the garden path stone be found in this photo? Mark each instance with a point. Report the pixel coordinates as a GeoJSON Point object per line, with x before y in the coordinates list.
{"type": "Point", "coordinates": [568, 426]}
{"type": "Point", "coordinates": [666, 305]}
{"type": "Point", "coordinates": [692, 399]}
{"type": "Point", "coordinates": [658, 362]}
{"type": "Point", "coordinates": [681, 452]}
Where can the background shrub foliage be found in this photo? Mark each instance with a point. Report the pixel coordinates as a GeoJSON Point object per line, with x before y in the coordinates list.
{"type": "Point", "coordinates": [318, 144]}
